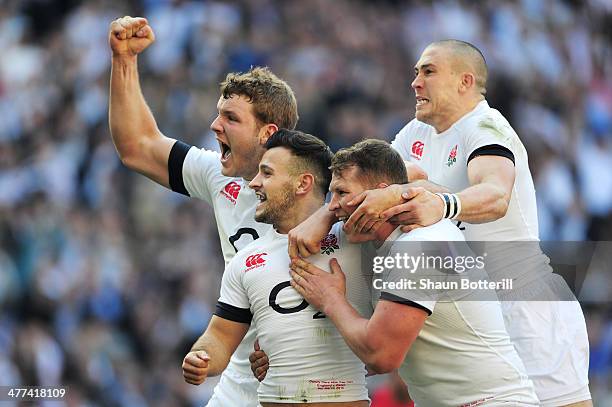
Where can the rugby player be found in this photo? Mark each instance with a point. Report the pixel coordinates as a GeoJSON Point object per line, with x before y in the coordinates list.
{"type": "Point", "coordinates": [251, 107]}
{"type": "Point", "coordinates": [310, 363]}
{"type": "Point", "coordinates": [451, 351]}
{"type": "Point", "coordinates": [468, 148]}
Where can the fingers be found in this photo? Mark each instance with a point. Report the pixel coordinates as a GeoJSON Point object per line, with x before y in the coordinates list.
{"type": "Point", "coordinates": [304, 268]}
{"type": "Point", "coordinates": [302, 247]}
{"type": "Point", "coordinates": [202, 356]}
{"type": "Point", "coordinates": [293, 249]}
{"type": "Point", "coordinates": [357, 200]}
{"type": "Point", "coordinates": [194, 379]}
{"type": "Point", "coordinates": [296, 285]}
{"type": "Point", "coordinates": [127, 27]}
{"type": "Point", "coordinates": [397, 209]}
{"type": "Point", "coordinates": [351, 223]}
{"type": "Point", "coordinates": [404, 218]}
{"type": "Point", "coordinates": [335, 267]}
{"type": "Point", "coordinates": [260, 372]}
{"type": "Point", "coordinates": [412, 192]}
{"type": "Point", "coordinates": [256, 345]}
{"type": "Point", "coordinates": [408, 228]}
{"type": "Point", "coordinates": [195, 367]}
{"type": "Point", "coordinates": [310, 248]}
{"type": "Point", "coordinates": [375, 226]}
{"type": "Point", "coordinates": [365, 224]}
{"type": "Point", "coordinates": [259, 364]}
{"type": "Point", "coordinates": [145, 32]}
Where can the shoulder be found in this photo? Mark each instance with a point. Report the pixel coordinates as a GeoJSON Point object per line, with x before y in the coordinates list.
{"type": "Point", "coordinates": [261, 246]}
{"type": "Point", "coordinates": [489, 123]}
{"type": "Point", "coordinates": [414, 127]}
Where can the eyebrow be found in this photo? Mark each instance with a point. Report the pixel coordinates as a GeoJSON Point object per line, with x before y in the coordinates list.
{"type": "Point", "coordinates": [227, 111]}
{"type": "Point", "coordinates": [334, 186]}
{"type": "Point", "coordinates": [265, 167]}
{"type": "Point", "coordinates": [424, 66]}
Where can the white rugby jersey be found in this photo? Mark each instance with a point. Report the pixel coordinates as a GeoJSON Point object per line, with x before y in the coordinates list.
{"type": "Point", "coordinates": [445, 157]}
{"type": "Point", "coordinates": [463, 355]}
{"type": "Point", "coordinates": [197, 173]}
{"type": "Point", "coordinates": [309, 359]}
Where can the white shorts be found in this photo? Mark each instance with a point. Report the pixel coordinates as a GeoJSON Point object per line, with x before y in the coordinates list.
{"type": "Point", "coordinates": [234, 390]}
{"type": "Point", "coordinates": [551, 339]}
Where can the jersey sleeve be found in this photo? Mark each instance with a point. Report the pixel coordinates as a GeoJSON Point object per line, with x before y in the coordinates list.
{"type": "Point", "coordinates": [399, 277]}
{"type": "Point", "coordinates": [193, 171]}
{"type": "Point", "coordinates": [401, 142]}
{"type": "Point", "coordinates": [490, 136]}
{"type": "Point", "coordinates": [233, 303]}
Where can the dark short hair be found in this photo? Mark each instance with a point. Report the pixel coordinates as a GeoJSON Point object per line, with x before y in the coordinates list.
{"type": "Point", "coordinates": [272, 98]}
{"type": "Point", "coordinates": [376, 160]}
{"type": "Point", "coordinates": [313, 154]}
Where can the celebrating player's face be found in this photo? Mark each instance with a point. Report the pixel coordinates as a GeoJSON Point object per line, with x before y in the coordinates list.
{"type": "Point", "coordinates": [274, 187]}
{"type": "Point", "coordinates": [344, 186]}
{"type": "Point", "coordinates": [436, 88]}
{"type": "Point", "coordinates": [237, 132]}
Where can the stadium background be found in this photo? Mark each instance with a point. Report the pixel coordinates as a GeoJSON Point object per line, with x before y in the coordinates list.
{"type": "Point", "coordinates": [106, 279]}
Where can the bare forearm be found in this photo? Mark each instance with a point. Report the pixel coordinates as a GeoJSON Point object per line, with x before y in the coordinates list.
{"type": "Point", "coordinates": [354, 330]}
{"type": "Point", "coordinates": [428, 185]}
{"type": "Point", "coordinates": [483, 203]}
{"type": "Point", "coordinates": [479, 203]}
{"type": "Point", "coordinates": [131, 122]}
{"type": "Point", "coordinates": [218, 352]}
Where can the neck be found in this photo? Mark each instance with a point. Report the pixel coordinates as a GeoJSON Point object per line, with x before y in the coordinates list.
{"type": "Point", "coordinates": [297, 214]}
{"type": "Point", "coordinates": [465, 107]}
{"type": "Point", "coordinates": [383, 232]}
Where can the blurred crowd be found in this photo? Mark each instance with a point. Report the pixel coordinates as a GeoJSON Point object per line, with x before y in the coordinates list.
{"type": "Point", "coordinates": [106, 279]}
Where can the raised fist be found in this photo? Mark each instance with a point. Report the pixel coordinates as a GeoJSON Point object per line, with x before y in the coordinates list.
{"type": "Point", "coordinates": [130, 35]}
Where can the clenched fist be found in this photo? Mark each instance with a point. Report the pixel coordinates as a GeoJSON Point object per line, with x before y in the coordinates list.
{"type": "Point", "coordinates": [130, 35]}
{"type": "Point", "coordinates": [195, 367]}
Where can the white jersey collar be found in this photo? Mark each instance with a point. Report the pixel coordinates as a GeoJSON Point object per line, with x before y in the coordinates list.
{"type": "Point", "coordinates": [481, 106]}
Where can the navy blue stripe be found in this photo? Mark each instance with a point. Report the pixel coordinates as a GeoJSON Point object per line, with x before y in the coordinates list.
{"type": "Point", "coordinates": [175, 167]}
{"type": "Point", "coordinates": [231, 313]}
{"type": "Point", "coordinates": [492, 149]}
{"type": "Point", "coordinates": [400, 300]}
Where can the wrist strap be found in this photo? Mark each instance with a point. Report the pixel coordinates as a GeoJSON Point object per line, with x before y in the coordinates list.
{"type": "Point", "coordinates": [452, 205]}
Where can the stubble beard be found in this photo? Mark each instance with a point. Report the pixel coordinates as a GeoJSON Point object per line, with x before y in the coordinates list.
{"type": "Point", "coordinates": [278, 210]}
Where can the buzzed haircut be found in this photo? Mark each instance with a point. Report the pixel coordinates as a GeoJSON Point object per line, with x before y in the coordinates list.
{"type": "Point", "coordinates": [472, 56]}
{"type": "Point", "coordinates": [312, 154]}
{"type": "Point", "coordinates": [272, 98]}
{"type": "Point", "coordinates": [376, 160]}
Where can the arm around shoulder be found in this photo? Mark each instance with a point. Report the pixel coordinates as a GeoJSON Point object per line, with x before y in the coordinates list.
{"type": "Point", "coordinates": [488, 198]}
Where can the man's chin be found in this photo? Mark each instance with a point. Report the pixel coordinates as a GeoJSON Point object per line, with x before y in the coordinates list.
{"type": "Point", "coordinates": [262, 217]}
{"type": "Point", "coordinates": [228, 171]}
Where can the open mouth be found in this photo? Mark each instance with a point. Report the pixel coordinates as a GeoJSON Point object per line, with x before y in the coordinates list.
{"type": "Point", "coordinates": [260, 197]}
{"type": "Point", "coordinates": [226, 151]}
{"type": "Point", "coordinates": [342, 218]}
{"type": "Point", "coordinates": [420, 101]}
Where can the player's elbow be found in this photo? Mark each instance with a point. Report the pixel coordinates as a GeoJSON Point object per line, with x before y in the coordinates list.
{"type": "Point", "coordinates": [128, 159]}
{"type": "Point", "coordinates": [133, 155]}
{"type": "Point", "coordinates": [384, 362]}
{"type": "Point", "coordinates": [502, 203]}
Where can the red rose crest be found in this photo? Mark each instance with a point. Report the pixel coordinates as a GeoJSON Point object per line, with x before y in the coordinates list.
{"type": "Point", "coordinates": [329, 244]}
{"type": "Point", "coordinates": [452, 157]}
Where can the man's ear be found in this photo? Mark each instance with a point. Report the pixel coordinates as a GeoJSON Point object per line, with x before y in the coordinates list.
{"type": "Point", "coordinates": [266, 131]}
{"type": "Point", "coordinates": [382, 185]}
{"type": "Point", "coordinates": [467, 81]}
{"type": "Point", "coordinates": [306, 182]}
